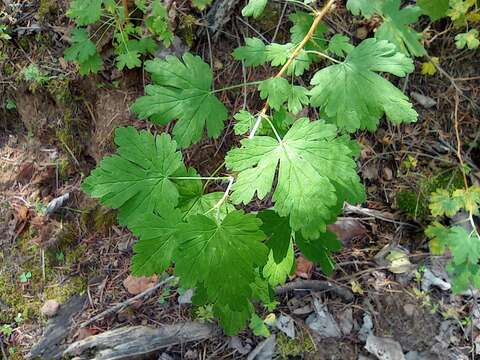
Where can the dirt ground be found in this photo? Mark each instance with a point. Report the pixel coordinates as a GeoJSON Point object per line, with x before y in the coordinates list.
{"type": "Point", "coordinates": [61, 129]}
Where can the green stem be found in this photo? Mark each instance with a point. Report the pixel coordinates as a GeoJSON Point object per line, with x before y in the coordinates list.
{"type": "Point", "coordinates": [323, 55]}
{"type": "Point", "coordinates": [199, 177]}
{"type": "Point", "coordinates": [274, 129]}
{"type": "Point", "coordinates": [217, 170]}
{"type": "Point", "coordinates": [236, 86]}
{"type": "Point", "coordinates": [302, 4]}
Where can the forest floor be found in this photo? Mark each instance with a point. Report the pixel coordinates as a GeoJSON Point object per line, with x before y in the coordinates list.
{"type": "Point", "coordinates": [59, 127]}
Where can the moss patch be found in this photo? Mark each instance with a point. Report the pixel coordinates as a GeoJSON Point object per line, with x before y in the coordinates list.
{"type": "Point", "coordinates": [47, 8]}
{"type": "Point", "coordinates": [288, 348]}
{"type": "Point", "coordinates": [415, 202]}
{"type": "Point", "coordinates": [98, 218]}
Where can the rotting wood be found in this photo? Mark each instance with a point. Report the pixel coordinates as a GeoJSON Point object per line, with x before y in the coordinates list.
{"type": "Point", "coordinates": [138, 341]}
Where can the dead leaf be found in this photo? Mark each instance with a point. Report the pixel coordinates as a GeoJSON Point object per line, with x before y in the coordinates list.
{"type": "Point", "coordinates": [356, 287]}
{"type": "Point", "coordinates": [347, 229]}
{"type": "Point", "coordinates": [304, 268]}
{"type": "Point", "coordinates": [26, 172]}
{"type": "Point", "coordinates": [83, 333]}
{"type": "Point", "coordinates": [137, 285]}
{"type": "Point", "coordinates": [23, 213]}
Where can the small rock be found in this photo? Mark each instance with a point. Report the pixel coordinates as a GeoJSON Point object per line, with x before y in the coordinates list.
{"type": "Point", "coordinates": [56, 203]}
{"type": "Point", "coordinates": [304, 310]}
{"type": "Point", "coordinates": [165, 356]}
{"type": "Point", "coordinates": [323, 322]}
{"type": "Point", "coordinates": [384, 348]}
{"type": "Point", "coordinates": [367, 327]}
{"type": "Point", "coordinates": [415, 355]}
{"type": "Point", "coordinates": [286, 325]}
{"type": "Point", "coordinates": [345, 320]}
{"type": "Point", "coordinates": [387, 173]}
{"type": "Point", "coordinates": [425, 101]}
{"type": "Point", "coordinates": [409, 309]}
{"type": "Point", "coordinates": [265, 350]}
{"type": "Point", "coordinates": [429, 280]}
{"type": "Point", "coordinates": [50, 308]}
{"type": "Point", "coordinates": [363, 357]}
{"type": "Point", "coordinates": [237, 344]}
{"type": "Point", "coordinates": [191, 354]}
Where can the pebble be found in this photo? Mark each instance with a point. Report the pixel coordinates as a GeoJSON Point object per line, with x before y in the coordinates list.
{"type": "Point", "coordinates": [50, 308]}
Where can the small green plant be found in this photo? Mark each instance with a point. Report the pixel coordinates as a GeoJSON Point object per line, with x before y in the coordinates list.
{"type": "Point", "coordinates": [4, 36]}
{"type": "Point", "coordinates": [461, 240]}
{"type": "Point", "coordinates": [34, 74]}
{"type": "Point", "coordinates": [10, 104]}
{"type": "Point", "coordinates": [131, 40]}
{"type": "Point", "coordinates": [163, 298]}
{"type": "Point", "coordinates": [6, 330]}
{"type": "Point", "coordinates": [25, 277]}
{"type": "Point", "coordinates": [60, 256]}
{"type": "Point", "coordinates": [259, 326]}
{"type": "Point", "coordinates": [205, 313]}
{"type": "Point", "coordinates": [305, 167]}
{"type": "Point", "coordinates": [464, 14]}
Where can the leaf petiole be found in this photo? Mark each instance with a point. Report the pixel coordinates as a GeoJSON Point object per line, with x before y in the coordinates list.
{"type": "Point", "coordinates": [236, 86]}
{"type": "Point", "coordinates": [323, 55]}
{"type": "Point", "coordinates": [199, 177]}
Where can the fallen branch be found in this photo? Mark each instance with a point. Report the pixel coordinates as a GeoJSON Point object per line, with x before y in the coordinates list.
{"type": "Point", "coordinates": [122, 305]}
{"type": "Point", "coordinates": [133, 342]}
{"type": "Point", "coordinates": [315, 285]}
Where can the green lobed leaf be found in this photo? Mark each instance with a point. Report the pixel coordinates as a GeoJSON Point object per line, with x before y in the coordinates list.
{"type": "Point", "coordinates": [314, 167]}
{"type": "Point", "coordinates": [276, 271]}
{"type": "Point", "coordinates": [244, 122]}
{"type": "Point", "coordinates": [136, 180]}
{"type": "Point", "coordinates": [92, 65]}
{"type": "Point", "coordinates": [276, 90]}
{"type": "Point", "coordinates": [297, 98]}
{"type": "Point", "coordinates": [222, 257]}
{"type": "Point", "coordinates": [441, 203]}
{"type": "Point", "coordinates": [302, 22]}
{"type": "Point", "coordinates": [130, 59]}
{"type": "Point", "coordinates": [396, 27]}
{"type": "Point", "coordinates": [465, 249]}
{"type": "Point", "coordinates": [340, 45]}
{"type": "Point", "coordinates": [354, 96]}
{"type": "Point", "coordinates": [82, 47]}
{"type": "Point", "coordinates": [182, 90]}
{"type": "Point", "coordinates": [469, 199]}
{"type": "Point", "coordinates": [278, 232]}
{"type": "Point", "coordinates": [158, 22]}
{"type": "Point", "coordinates": [156, 244]}
{"type": "Point", "coordinates": [278, 55]}
{"type": "Point", "coordinates": [435, 9]}
{"type": "Point", "coordinates": [85, 12]}
{"type": "Point", "coordinates": [367, 8]}
{"type": "Point", "coordinates": [253, 53]}
{"type": "Point", "coordinates": [319, 250]}
{"type": "Point", "coordinates": [84, 52]}
{"type": "Point", "coordinates": [468, 39]}
{"type": "Point", "coordinates": [258, 326]}
{"type": "Point", "coordinates": [201, 4]}
{"type": "Point", "coordinates": [254, 8]}
{"type": "Point", "coordinates": [193, 200]}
